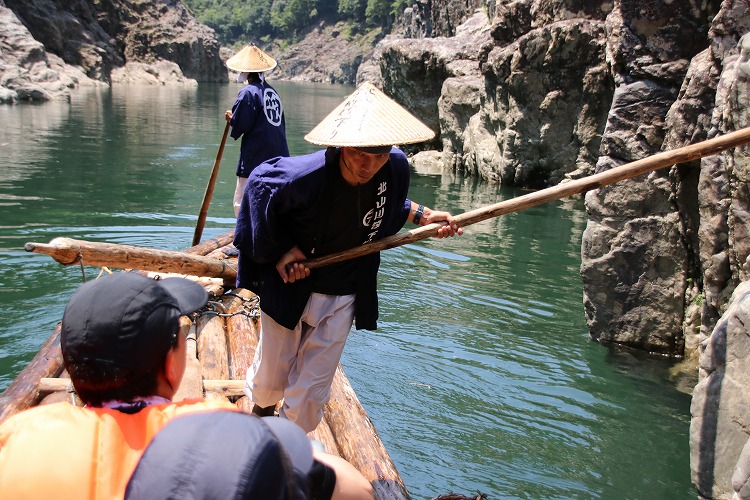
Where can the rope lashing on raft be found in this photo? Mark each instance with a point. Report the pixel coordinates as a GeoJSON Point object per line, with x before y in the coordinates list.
{"type": "Point", "coordinates": [250, 307]}
{"type": "Point", "coordinates": [78, 260]}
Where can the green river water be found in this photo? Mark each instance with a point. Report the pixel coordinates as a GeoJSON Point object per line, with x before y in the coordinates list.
{"type": "Point", "coordinates": [481, 377]}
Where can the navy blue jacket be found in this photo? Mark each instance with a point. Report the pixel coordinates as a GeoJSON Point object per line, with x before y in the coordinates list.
{"type": "Point", "coordinates": [284, 205]}
{"type": "Point", "coordinates": [258, 117]}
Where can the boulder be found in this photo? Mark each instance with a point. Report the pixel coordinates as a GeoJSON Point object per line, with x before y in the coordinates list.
{"type": "Point", "coordinates": [720, 409]}
{"type": "Point", "coordinates": [51, 47]}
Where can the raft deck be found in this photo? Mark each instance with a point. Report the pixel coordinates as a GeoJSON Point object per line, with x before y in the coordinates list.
{"type": "Point", "coordinates": [222, 339]}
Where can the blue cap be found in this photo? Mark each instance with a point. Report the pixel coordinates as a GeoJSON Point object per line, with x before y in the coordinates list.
{"type": "Point", "coordinates": [126, 321]}
{"type": "Point", "coordinates": [224, 454]}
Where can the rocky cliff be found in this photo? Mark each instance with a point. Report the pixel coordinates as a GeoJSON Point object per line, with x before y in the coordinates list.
{"type": "Point", "coordinates": [535, 92]}
{"type": "Point", "coordinates": [532, 93]}
{"type": "Point", "coordinates": [48, 47]}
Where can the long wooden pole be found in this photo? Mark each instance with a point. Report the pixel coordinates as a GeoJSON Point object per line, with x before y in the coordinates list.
{"type": "Point", "coordinates": [68, 251]}
{"type": "Point", "coordinates": [578, 186]}
{"type": "Point", "coordinates": [210, 189]}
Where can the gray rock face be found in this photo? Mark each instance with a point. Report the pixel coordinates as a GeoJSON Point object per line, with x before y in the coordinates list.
{"type": "Point", "coordinates": [720, 410]}
{"type": "Point", "coordinates": [562, 89]}
{"type": "Point", "coordinates": [325, 55]}
{"type": "Point", "coordinates": [661, 101]}
{"type": "Point", "coordinates": [27, 71]}
{"type": "Point", "coordinates": [49, 47]}
{"type": "Point", "coordinates": [547, 96]}
{"type": "Point", "coordinates": [431, 62]}
{"type": "Point", "coordinates": [544, 91]}
{"type": "Point", "coordinates": [439, 18]}
{"type": "Point", "coordinates": [527, 112]}
{"type": "Point", "coordinates": [720, 453]}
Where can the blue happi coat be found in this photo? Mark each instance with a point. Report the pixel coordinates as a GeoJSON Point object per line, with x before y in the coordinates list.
{"type": "Point", "coordinates": [258, 116]}
{"type": "Point", "coordinates": [284, 205]}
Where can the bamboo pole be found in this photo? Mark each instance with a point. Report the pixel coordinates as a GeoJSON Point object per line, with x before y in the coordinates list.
{"type": "Point", "coordinates": [68, 252]}
{"type": "Point", "coordinates": [564, 190]}
{"type": "Point", "coordinates": [210, 189]}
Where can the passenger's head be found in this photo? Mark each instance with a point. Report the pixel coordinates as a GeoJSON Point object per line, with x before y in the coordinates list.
{"type": "Point", "coordinates": [120, 336]}
{"type": "Point", "coordinates": [365, 126]}
{"type": "Point", "coordinates": [224, 454]}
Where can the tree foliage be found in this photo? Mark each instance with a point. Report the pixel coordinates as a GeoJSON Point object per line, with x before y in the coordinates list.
{"type": "Point", "coordinates": [242, 21]}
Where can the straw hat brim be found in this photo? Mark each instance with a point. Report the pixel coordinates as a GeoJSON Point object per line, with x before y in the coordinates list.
{"type": "Point", "coordinates": [369, 118]}
{"type": "Point", "coordinates": [251, 59]}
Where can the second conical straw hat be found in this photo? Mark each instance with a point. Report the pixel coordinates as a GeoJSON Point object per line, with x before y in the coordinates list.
{"type": "Point", "coordinates": [251, 59]}
{"type": "Point", "coordinates": [369, 118]}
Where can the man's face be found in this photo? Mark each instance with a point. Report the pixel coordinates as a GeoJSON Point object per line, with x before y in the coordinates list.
{"type": "Point", "coordinates": [359, 167]}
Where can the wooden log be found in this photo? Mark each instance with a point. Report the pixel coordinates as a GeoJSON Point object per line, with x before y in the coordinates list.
{"type": "Point", "coordinates": [217, 254]}
{"type": "Point", "coordinates": [323, 434]}
{"type": "Point", "coordinates": [68, 251]}
{"type": "Point", "coordinates": [558, 192]}
{"type": "Point", "coordinates": [208, 246]}
{"type": "Point", "coordinates": [214, 286]}
{"type": "Point", "coordinates": [23, 392]}
{"type": "Point", "coordinates": [64, 394]}
{"type": "Point", "coordinates": [61, 397]}
{"type": "Point", "coordinates": [359, 442]}
{"type": "Point", "coordinates": [191, 385]}
{"type": "Point", "coordinates": [244, 404]}
{"type": "Point", "coordinates": [49, 385]}
{"type": "Point", "coordinates": [243, 332]}
{"type": "Point", "coordinates": [225, 387]}
{"type": "Point", "coordinates": [213, 355]}
{"type": "Point", "coordinates": [204, 281]}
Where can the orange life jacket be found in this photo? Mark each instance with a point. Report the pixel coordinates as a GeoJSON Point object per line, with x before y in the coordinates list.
{"type": "Point", "coordinates": [63, 451]}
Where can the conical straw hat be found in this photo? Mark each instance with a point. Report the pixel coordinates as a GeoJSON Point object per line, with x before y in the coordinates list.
{"type": "Point", "coordinates": [369, 118]}
{"type": "Point", "coordinates": [251, 60]}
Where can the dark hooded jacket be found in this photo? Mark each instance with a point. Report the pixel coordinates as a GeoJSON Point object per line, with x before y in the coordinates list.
{"type": "Point", "coordinates": [285, 204]}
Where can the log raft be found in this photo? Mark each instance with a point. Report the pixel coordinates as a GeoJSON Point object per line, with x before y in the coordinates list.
{"type": "Point", "coordinates": [222, 343]}
{"type": "Point", "coordinates": [222, 339]}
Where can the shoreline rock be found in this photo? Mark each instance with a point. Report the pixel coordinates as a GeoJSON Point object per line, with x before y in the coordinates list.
{"type": "Point", "coordinates": [49, 49]}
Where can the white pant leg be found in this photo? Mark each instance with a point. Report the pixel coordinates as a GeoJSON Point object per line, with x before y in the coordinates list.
{"type": "Point", "coordinates": [239, 190]}
{"type": "Point", "coordinates": [276, 353]}
{"type": "Point", "coordinates": [326, 323]}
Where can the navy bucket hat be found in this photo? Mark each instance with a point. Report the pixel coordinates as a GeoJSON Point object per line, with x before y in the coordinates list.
{"type": "Point", "coordinates": [126, 321]}
{"type": "Point", "coordinates": [224, 454]}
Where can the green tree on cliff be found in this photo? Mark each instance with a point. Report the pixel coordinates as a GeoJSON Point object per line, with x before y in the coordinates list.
{"type": "Point", "coordinates": [242, 21]}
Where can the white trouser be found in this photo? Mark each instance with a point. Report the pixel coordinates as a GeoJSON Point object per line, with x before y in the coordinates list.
{"type": "Point", "coordinates": [298, 365]}
{"type": "Point", "coordinates": [239, 190]}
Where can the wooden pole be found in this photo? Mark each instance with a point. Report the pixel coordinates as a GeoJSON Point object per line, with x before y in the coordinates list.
{"type": "Point", "coordinates": [68, 251]}
{"type": "Point", "coordinates": [210, 189]}
{"type": "Point", "coordinates": [627, 171]}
